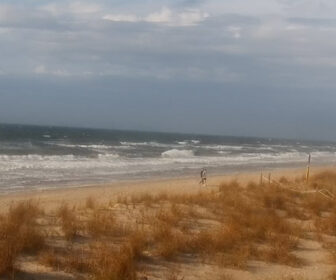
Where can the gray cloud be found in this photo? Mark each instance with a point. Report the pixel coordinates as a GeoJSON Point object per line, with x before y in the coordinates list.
{"type": "Point", "coordinates": [222, 47]}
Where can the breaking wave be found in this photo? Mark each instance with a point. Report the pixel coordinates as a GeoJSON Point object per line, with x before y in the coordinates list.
{"type": "Point", "coordinates": [47, 156]}
{"type": "Point", "coordinates": [174, 153]}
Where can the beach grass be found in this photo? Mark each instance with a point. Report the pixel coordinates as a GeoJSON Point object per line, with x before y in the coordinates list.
{"type": "Point", "coordinates": [157, 236]}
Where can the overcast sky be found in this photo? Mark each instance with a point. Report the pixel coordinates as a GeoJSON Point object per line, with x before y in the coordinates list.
{"type": "Point", "coordinates": [232, 67]}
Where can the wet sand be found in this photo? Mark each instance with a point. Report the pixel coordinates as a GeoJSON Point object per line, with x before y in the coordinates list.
{"type": "Point", "coordinates": [77, 195]}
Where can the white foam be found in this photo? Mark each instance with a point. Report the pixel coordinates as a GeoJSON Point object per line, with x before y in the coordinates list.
{"type": "Point", "coordinates": [26, 170]}
{"type": "Point", "coordinates": [223, 147]}
{"type": "Point", "coordinates": [174, 153]}
{"type": "Point", "coordinates": [108, 156]}
{"type": "Point", "coordinates": [35, 157]}
{"type": "Point", "coordinates": [186, 142]}
{"type": "Point", "coordinates": [103, 147]}
{"type": "Point", "coordinates": [149, 144]}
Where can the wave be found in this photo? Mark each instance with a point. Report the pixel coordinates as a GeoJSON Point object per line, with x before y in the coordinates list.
{"type": "Point", "coordinates": [186, 142]}
{"type": "Point", "coordinates": [38, 170]}
{"type": "Point", "coordinates": [148, 144]}
{"type": "Point", "coordinates": [102, 147]}
{"type": "Point", "coordinates": [174, 153]}
{"type": "Point", "coordinates": [223, 147]}
{"type": "Point", "coordinates": [108, 156]}
{"type": "Point", "coordinates": [35, 157]}
{"type": "Point", "coordinates": [41, 158]}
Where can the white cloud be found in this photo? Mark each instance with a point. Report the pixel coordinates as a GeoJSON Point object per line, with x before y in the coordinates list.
{"type": "Point", "coordinates": [4, 30]}
{"type": "Point", "coordinates": [242, 7]}
{"type": "Point", "coordinates": [40, 69]}
{"type": "Point", "coordinates": [235, 31]}
{"type": "Point", "coordinates": [295, 27]}
{"type": "Point", "coordinates": [123, 18]}
{"type": "Point", "coordinates": [84, 8]}
{"type": "Point", "coordinates": [191, 17]}
{"type": "Point", "coordinates": [164, 16]}
{"type": "Point", "coordinates": [4, 10]}
{"type": "Point", "coordinates": [76, 8]}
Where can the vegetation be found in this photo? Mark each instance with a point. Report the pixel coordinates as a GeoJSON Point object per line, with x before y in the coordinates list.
{"type": "Point", "coordinates": [226, 227]}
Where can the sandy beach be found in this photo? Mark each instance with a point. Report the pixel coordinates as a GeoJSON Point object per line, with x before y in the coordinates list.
{"type": "Point", "coordinates": [103, 193]}
{"type": "Point", "coordinates": [173, 229]}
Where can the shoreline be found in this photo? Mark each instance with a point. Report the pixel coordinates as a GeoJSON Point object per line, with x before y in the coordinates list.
{"type": "Point", "coordinates": [106, 192]}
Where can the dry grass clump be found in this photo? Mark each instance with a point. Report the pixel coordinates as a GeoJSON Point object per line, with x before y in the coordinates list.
{"type": "Point", "coordinates": [19, 232]}
{"type": "Point", "coordinates": [138, 241]}
{"type": "Point", "coordinates": [224, 239]}
{"type": "Point", "coordinates": [325, 179]}
{"type": "Point", "coordinates": [143, 198]}
{"type": "Point", "coordinates": [273, 197]}
{"type": "Point", "coordinates": [169, 242]}
{"type": "Point", "coordinates": [66, 259]}
{"type": "Point", "coordinates": [172, 216]}
{"type": "Point", "coordinates": [69, 222]}
{"type": "Point", "coordinates": [100, 259]}
{"type": "Point", "coordinates": [121, 199]}
{"type": "Point", "coordinates": [174, 275]}
{"type": "Point", "coordinates": [332, 275]}
{"type": "Point", "coordinates": [100, 224]}
{"type": "Point", "coordinates": [90, 203]}
{"type": "Point", "coordinates": [326, 224]}
{"type": "Point", "coordinates": [317, 204]}
{"type": "Point", "coordinates": [225, 245]}
{"type": "Point", "coordinates": [280, 253]}
{"type": "Point", "coordinates": [50, 258]}
{"type": "Point", "coordinates": [109, 264]}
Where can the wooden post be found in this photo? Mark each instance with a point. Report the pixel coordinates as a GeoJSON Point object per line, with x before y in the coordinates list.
{"type": "Point", "coordinates": [261, 178]}
{"type": "Point", "coordinates": [308, 168]}
{"type": "Point", "coordinates": [269, 178]}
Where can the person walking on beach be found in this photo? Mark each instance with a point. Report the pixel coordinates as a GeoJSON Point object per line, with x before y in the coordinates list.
{"type": "Point", "coordinates": [203, 177]}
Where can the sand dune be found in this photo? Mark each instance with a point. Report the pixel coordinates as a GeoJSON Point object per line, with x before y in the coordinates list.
{"type": "Point", "coordinates": [234, 228]}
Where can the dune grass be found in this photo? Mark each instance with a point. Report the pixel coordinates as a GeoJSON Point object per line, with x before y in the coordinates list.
{"type": "Point", "coordinates": [19, 233]}
{"type": "Point", "coordinates": [226, 227]}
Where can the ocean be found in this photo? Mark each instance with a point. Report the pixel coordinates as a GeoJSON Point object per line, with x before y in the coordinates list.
{"type": "Point", "coordinates": [42, 157]}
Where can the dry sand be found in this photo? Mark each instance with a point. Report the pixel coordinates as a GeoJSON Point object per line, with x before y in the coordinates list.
{"type": "Point", "coordinates": [77, 195]}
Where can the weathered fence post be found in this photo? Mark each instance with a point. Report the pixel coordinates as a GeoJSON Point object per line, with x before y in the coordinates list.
{"type": "Point", "coordinates": [308, 168]}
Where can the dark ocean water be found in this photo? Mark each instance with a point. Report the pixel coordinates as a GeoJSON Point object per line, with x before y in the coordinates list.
{"type": "Point", "coordinates": [46, 157]}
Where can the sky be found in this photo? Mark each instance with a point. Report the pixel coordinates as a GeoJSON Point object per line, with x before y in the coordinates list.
{"type": "Point", "coordinates": [264, 68]}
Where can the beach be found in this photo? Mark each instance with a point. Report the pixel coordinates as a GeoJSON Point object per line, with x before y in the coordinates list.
{"type": "Point", "coordinates": [41, 157]}
{"type": "Point", "coordinates": [77, 194]}
{"type": "Point", "coordinates": [167, 140]}
{"type": "Point", "coordinates": [236, 227]}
